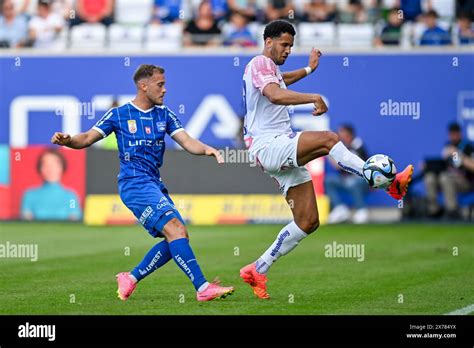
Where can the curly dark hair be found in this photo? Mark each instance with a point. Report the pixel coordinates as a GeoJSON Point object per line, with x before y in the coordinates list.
{"type": "Point", "coordinates": [278, 27]}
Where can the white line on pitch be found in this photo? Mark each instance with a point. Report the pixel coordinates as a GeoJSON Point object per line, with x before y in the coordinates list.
{"type": "Point", "coordinates": [462, 311]}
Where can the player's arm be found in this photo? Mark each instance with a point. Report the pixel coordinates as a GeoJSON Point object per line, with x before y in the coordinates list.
{"type": "Point", "coordinates": [196, 147]}
{"type": "Point", "coordinates": [78, 141]}
{"type": "Point", "coordinates": [293, 76]}
{"type": "Point", "coordinates": [281, 96]}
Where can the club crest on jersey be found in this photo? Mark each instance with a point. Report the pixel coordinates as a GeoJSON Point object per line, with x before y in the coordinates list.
{"type": "Point", "coordinates": [161, 126]}
{"type": "Point", "coordinates": [147, 130]}
{"type": "Point", "coordinates": [132, 126]}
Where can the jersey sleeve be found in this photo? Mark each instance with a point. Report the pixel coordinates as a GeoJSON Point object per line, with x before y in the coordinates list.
{"type": "Point", "coordinates": [263, 72]}
{"type": "Point", "coordinates": [173, 124]}
{"type": "Point", "coordinates": [107, 123]}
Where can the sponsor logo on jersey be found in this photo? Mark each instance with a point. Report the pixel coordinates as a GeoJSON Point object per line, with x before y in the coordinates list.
{"type": "Point", "coordinates": [147, 130]}
{"type": "Point", "coordinates": [132, 126]}
{"type": "Point", "coordinates": [146, 214]}
{"type": "Point", "coordinates": [161, 126]}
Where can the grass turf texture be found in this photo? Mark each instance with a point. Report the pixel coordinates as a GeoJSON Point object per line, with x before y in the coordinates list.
{"type": "Point", "coordinates": [80, 262]}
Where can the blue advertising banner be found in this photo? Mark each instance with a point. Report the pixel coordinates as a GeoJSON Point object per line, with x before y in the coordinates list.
{"type": "Point", "coordinates": [399, 104]}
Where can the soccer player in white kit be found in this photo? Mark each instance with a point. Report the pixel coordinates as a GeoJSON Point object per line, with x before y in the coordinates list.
{"type": "Point", "coordinates": [283, 153]}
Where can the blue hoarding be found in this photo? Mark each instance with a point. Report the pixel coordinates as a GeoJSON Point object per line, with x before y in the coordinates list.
{"type": "Point", "coordinates": [399, 104]}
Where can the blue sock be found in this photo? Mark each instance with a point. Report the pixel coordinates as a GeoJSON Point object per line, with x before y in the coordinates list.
{"type": "Point", "coordinates": [184, 257]}
{"type": "Point", "coordinates": [154, 259]}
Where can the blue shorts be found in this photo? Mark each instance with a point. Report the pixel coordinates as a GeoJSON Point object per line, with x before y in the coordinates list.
{"type": "Point", "coordinates": [149, 201]}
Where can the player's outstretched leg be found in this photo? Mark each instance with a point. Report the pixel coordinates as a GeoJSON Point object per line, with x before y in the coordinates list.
{"type": "Point", "coordinates": [313, 144]}
{"type": "Point", "coordinates": [127, 281]}
{"type": "Point", "coordinates": [183, 255]}
{"type": "Point", "coordinates": [302, 201]}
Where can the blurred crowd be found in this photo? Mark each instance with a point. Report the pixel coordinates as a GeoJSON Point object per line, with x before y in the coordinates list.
{"type": "Point", "coordinates": [363, 23]}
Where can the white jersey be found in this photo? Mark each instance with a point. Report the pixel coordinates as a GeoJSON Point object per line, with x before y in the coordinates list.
{"type": "Point", "coordinates": [263, 119]}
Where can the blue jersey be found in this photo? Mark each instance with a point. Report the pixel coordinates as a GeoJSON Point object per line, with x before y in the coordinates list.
{"type": "Point", "coordinates": [140, 137]}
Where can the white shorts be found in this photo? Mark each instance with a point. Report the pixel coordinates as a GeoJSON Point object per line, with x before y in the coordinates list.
{"type": "Point", "coordinates": [278, 159]}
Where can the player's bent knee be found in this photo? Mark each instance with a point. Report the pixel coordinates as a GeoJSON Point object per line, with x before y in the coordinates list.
{"type": "Point", "coordinates": [174, 229]}
{"type": "Point", "coordinates": [332, 140]}
{"type": "Point", "coordinates": [309, 224]}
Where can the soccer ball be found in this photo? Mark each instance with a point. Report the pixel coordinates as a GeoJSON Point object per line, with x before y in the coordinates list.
{"type": "Point", "coordinates": [379, 171]}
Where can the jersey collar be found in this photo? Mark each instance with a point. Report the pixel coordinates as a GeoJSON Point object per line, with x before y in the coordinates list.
{"type": "Point", "coordinates": [141, 110]}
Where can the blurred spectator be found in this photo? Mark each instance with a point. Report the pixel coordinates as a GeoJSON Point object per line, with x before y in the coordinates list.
{"type": "Point", "coordinates": [25, 7]}
{"type": "Point", "coordinates": [45, 26]}
{"type": "Point", "coordinates": [411, 9]}
{"type": "Point", "coordinates": [220, 9]}
{"type": "Point", "coordinates": [279, 9]}
{"type": "Point", "coordinates": [466, 7]}
{"type": "Point", "coordinates": [353, 12]}
{"type": "Point", "coordinates": [239, 33]}
{"type": "Point", "coordinates": [465, 30]}
{"type": "Point", "coordinates": [203, 30]}
{"type": "Point", "coordinates": [319, 11]}
{"type": "Point", "coordinates": [454, 178]}
{"type": "Point", "coordinates": [343, 182]}
{"type": "Point", "coordinates": [246, 7]}
{"type": "Point", "coordinates": [391, 33]}
{"type": "Point", "coordinates": [167, 11]}
{"type": "Point", "coordinates": [51, 201]}
{"type": "Point", "coordinates": [434, 35]}
{"type": "Point", "coordinates": [13, 28]}
{"type": "Point", "coordinates": [93, 11]}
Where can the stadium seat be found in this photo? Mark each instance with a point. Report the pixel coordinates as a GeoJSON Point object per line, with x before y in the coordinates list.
{"type": "Point", "coordinates": [133, 11]}
{"type": "Point", "coordinates": [317, 34]}
{"type": "Point", "coordinates": [355, 35]}
{"type": "Point", "coordinates": [167, 37]}
{"type": "Point", "coordinates": [123, 37]}
{"type": "Point", "coordinates": [88, 36]}
{"type": "Point", "coordinates": [257, 30]}
{"type": "Point", "coordinates": [417, 32]}
{"type": "Point", "coordinates": [61, 42]}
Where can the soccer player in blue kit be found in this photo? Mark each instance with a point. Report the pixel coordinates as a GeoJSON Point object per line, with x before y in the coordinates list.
{"type": "Point", "coordinates": [140, 127]}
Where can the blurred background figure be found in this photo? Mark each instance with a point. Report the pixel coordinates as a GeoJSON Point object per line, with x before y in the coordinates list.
{"type": "Point", "coordinates": [434, 35]}
{"type": "Point", "coordinates": [13, 27]}
{"type": "Point", "coordinates": [391, 32]}
{"type": "Point", "coordinates": [465, 29]}
{"type": "Point", "coordinates": [94, 11]}
{"type": "Point", "coordinates": [350, 185]}
{"type": "Point", "coordinates": [411, 9]}
{"type": "Point", "coordinates": [452, 175]}
{"type": "Point", "coordinates": [238, 33]}
{"type": "Point", "coordinates": [353, 12]}
{"type": "Point", "coordinates": [51, 201]}
{"type": "Point", "coordinates": [319, 11]}
{"type": "Point", "coordinates": [45, 27]}
{"type": "Point", "coordinates": [248, 8]}
{"type": "Point", "coordinates": [203, 29]}
{"type": "Point", "coordinates": [279, 9]}
{"type": "Point", "coordinates": [167, 11]}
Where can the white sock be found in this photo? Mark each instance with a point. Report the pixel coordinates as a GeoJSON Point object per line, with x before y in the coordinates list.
{"type": "Point", "coordinates": [346, 159]}
{"type": "Point", "coordinates": [203, 287]}
{"type": "Point", "coordinates": [286, 241]}
{"type": "Point", "coordinates": [132, 277]}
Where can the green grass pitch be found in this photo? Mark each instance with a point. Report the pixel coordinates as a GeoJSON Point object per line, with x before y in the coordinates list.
{"type": "Point", "coordinates": [76, 267]}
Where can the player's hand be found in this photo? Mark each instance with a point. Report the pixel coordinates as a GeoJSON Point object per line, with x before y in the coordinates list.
{"type": "Point", "coordinates": [320, 106]}
{"type": "Point", "coordinates": [210, 151]}
{"type": "Point", "coordinates": [62, 139]}
{"type": "Point", "coordinates": [314, 58]}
